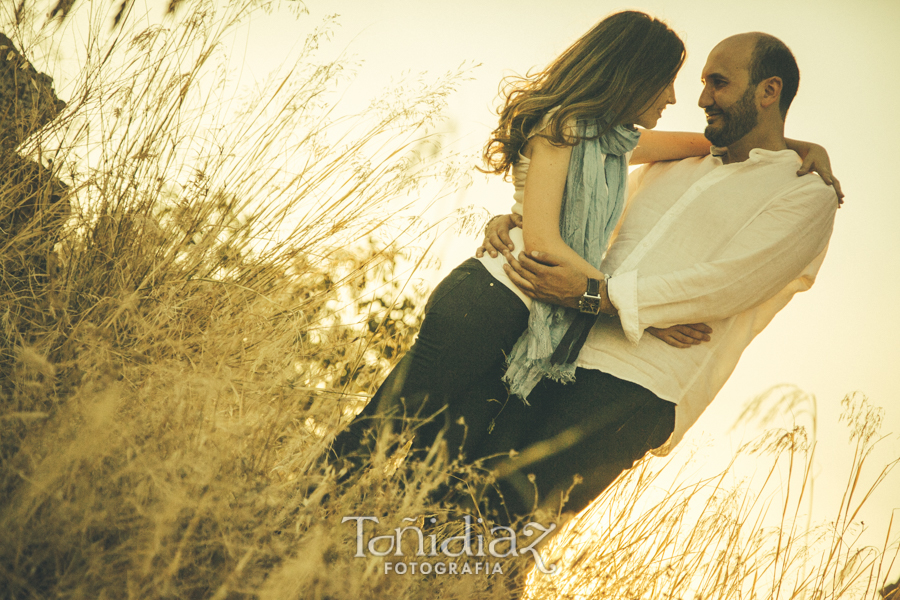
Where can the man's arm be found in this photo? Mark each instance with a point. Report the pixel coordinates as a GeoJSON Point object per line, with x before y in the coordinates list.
{"type": "Point", "coordinates": [555, 281]}
{"type": "Point", "coordinates": [773, 250]}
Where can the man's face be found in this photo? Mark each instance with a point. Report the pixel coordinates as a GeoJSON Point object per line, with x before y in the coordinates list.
{"type": "Point", "coordinates": [728, 98]}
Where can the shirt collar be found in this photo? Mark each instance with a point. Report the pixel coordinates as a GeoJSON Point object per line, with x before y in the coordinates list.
{"type": "Point", "coordinates": [759, 154]}
{"type": "Point", "coordinates": [773, 155]}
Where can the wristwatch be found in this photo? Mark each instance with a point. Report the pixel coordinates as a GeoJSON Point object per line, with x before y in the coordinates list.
{"type": "Point", "coordinates": [590, 302]}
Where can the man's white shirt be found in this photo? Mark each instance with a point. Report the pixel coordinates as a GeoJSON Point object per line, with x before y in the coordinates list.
{"type": "Point", "coordinates": [726, 245]}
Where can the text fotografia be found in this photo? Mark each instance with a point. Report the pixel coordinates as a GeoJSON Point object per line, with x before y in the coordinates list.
{"type": "Point", "coordinates": [507, 544]}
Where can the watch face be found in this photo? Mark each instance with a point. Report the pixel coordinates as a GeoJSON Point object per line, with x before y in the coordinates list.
{"type": "Point", "coordinates": [589, 304]}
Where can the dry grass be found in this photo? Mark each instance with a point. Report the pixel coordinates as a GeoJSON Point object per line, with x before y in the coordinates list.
{"type": "Point", "coordinates": [169, 389]}
{"type": "Point", "coordinates": [731, 537]}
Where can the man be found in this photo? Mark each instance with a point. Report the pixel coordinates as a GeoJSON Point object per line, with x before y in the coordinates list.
{"type": "Point", "coordinates": [726, 239]}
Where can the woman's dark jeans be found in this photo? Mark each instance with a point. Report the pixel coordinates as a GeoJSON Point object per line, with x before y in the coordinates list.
{"type": "Point", "coordinates": [450, 381]}
{"type": "Point", "coordinates": [453, 370]}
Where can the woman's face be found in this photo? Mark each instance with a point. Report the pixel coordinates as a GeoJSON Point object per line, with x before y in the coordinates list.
{"type": "Point", "coordinates": [653, 111]}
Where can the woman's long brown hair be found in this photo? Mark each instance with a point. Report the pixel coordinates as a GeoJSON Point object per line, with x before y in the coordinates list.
{"type": "Point", "coordinates": [611, 73]}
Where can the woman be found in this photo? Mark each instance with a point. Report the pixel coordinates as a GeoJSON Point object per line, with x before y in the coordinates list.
{"type": "Point", "coordinates": [565, 135]}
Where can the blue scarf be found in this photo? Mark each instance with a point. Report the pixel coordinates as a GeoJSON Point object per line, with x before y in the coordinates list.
{"type": "Point", "coordinates": [592, 204]}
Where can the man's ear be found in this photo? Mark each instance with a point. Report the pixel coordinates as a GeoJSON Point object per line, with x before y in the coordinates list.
{"type": "Point", "coordinates": [771, 91]}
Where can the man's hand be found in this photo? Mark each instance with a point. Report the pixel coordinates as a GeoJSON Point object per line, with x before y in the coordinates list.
{"type": "Point", "coordinates": [496, 235]}
{"type": "Point", "coordinates": [683, 336]}
{"type": "Point", "coordinates": [547, 278]}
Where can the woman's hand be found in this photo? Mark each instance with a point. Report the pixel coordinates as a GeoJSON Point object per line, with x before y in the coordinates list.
{"type": "Point", "coordinates": [683, 336]}
{"type": "Point", "coordinates": [496, 235]}
{"type": "Point", "coordinates": [815, 158]}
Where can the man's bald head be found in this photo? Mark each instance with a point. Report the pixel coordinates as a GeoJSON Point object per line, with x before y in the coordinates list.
{"type": "Point", "coordinates": [738, 46]}
{"type": "Point", "coordinates": [766, 56]}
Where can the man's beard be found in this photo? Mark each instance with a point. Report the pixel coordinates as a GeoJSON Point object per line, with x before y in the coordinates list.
{"type": "Point", "coordinates": [735, 122]}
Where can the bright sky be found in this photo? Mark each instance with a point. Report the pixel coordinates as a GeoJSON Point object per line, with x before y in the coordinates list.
{"type": "Point", "coordinates": [840, 337]}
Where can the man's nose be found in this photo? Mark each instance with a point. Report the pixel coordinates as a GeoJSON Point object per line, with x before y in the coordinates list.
{"type": "Point", "coordinates": [705, 98]}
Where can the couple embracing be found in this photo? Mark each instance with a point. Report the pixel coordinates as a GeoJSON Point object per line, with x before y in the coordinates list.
{"type": "Point", "coordinates": [597, 323]}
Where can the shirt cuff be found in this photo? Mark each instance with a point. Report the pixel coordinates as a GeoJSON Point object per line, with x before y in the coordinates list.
{"type": "Point", "coordinates": [622, 291]}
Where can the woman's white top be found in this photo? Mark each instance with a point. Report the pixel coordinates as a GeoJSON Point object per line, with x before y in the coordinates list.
{"type": "Point", "coordinates": [495, 265]}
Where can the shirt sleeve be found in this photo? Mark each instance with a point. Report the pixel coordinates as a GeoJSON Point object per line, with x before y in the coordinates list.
{"type": "Point", "coordinates": [774, 249]}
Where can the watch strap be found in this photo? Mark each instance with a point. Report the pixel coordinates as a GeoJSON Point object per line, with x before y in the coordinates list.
{"type": "Point", "coordinates": [573, 340]}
